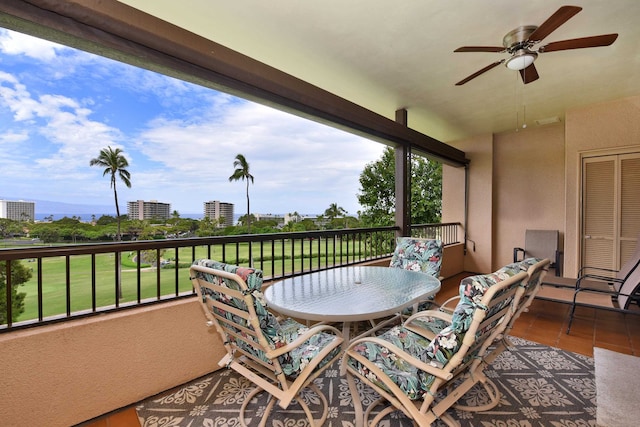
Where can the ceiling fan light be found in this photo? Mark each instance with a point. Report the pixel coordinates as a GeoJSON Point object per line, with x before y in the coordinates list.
{"type": "Point", "coordinates": [521, 60]}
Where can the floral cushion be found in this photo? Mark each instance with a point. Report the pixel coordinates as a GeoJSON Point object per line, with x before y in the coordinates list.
{"type": "Point", "coordinates": [277, 334]}
{"type": "Point", "coordinates": [524, 265]}
{"type": "Point", "coordinates": [415, 254]}
{"type": "Point", "coordinates": [437, 352]}
{"type": "Point", "coordinates": [418, 255]}
{"type": "Point", "coordinates": [472, 290]}
{"type": "Point", "coordinates": [517, 267]}
{"type": "Point", "coordinates": [412, 381]}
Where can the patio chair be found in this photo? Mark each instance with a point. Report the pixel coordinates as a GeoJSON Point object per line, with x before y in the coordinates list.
{"type": "Point", "coordinates": [608, 274]}
{"type": "Point", "coordinates": [623, 289]}
{"type": "Point", "coordinates": [536, 269]}
{"type": "Point", "coordinates": [417, 254]}
{"type": "Point", "coordinates": [409, 365]}
{"type": "Point", "coordinates": [541, 244]}
{"type": "Point", "coordinates": [281, 357]}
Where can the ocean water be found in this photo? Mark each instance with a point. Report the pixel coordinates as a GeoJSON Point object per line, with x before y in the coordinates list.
{"type": "Point", "coordinates": [58, 216]}
{"type": "Point", "coordinates": [89, 217]}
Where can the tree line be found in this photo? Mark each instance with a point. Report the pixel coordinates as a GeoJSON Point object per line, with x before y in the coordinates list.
{"type": "Point", "coordinates": [105, 228]}
{"type": "Point", "coordinates": [376, 196]}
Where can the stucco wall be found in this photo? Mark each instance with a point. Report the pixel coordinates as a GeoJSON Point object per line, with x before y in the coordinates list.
{"type": "Point", "coordinates": [452, 260]}
{"type": "Point", "coordinates": [528, 187]}
{"type": "Point", "coordinates": [479, 224]}
{"type": "Point", "coordinates": [530, 180]}
{"type": "Point", "coordinates": [63, 374]}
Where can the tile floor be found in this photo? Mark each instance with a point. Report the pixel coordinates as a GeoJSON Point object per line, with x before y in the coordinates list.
{"type": "Point", "coordinates": [545, 322]}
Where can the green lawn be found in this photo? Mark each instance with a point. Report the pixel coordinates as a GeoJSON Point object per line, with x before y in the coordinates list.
{"type": "Point", "coordinates": [54, 293]}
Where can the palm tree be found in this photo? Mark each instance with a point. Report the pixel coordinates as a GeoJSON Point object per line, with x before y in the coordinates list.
{"type": "Point", "coordinates": [114, 163]}
{"type": "Point", "coordinates": [241, 173]}
{"type": "Point", "coordinates": [334, 211]}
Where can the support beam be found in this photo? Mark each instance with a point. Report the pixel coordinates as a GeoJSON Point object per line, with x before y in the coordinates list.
{"type": "Point", "coordinates": [403, 181]}
{"type": "Point", "coordinates": [116, 30]}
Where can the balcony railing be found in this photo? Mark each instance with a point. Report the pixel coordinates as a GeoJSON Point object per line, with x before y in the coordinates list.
{"type": "Point", "coordinates": [72, 281]}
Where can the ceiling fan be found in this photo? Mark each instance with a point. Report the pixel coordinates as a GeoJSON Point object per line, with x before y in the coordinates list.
{"type": "Point", "coordinates": [519, 44]}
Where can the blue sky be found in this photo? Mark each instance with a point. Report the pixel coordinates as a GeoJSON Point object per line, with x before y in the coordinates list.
{"type": "Point", "coordinates": [59, 107]}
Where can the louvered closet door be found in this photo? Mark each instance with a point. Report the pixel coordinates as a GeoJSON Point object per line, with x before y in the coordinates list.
{"type": "Point", "coordinates": [629, 204]}
{"type": "Point", "coordinates": [610, 210]}
{"type": "Point", "coordinates": [599, 212]}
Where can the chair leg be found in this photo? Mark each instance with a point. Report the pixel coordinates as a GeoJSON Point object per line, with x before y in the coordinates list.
{"type": "Point", "coordinates": [494, 398]}
{"type": "Point", "coordinates": [325, 407]}
{"type": "Point", "coordinates": [357, 403]}
{"type": "Point", "coordinates": [362, 417]}
{"type": "Point", "coordinates": [449, 421]}
{"type": "Point", "coordinates": [249, 398]}
{"type": "Point", "coordinates": [383, 413]}
{"type": "Point", "coordinates": [572, 312]}
{"type": "Point", "coordinates": [272, 401]}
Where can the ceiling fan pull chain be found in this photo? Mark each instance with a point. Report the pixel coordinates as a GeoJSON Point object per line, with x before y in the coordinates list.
{"type": "Point", "coordinates": [517, 99]}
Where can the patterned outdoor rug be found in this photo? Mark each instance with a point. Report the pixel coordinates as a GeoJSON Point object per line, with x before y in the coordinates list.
{"type": "Point", "coordinates": [540, 386]}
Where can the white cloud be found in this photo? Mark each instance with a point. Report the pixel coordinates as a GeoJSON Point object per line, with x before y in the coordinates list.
{"type": "Point", "coordinates": [62, 121]}
{"type": "Point", "coordinates": [180, 145]}
{"type": "Point", "coordinates": [14, 43]}
{"type": "Point", "coordinates": [16, 98]}
{"type": "Point", "coordinates": [312, 164]}
{"type": "Point", "coordinates": [13, 137]}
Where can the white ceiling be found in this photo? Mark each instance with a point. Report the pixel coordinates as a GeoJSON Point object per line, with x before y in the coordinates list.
{"type": "Point", "coordinates": [388, 55]}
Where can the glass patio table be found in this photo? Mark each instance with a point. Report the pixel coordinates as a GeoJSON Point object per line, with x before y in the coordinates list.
{"type": "Point", "coordinates": [350, 294]}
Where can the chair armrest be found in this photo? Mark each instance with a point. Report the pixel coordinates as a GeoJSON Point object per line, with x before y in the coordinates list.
{"type": "Point", "coordinates": [398, 352]}
{"type": "Point", "coordinates": [582, 272]}
{"type": "Point", "coordinates": [515, 254]}
{"type": "Point", "coordinates": [447, 306]}
{"type": "Point", "coordinates": [558, 264]}
{"type": "Point", "coordinates": [601, 278]}
{"type": "Point", "coordinates": [595, 278]}
{"type": "Point", "coordinates": [304, 337]}
{"type": "Point", "coordinates": [431, 314]}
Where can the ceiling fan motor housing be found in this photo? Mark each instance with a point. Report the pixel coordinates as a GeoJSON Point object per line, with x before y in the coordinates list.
{"type": "Point", "coordinates": [518, 39]}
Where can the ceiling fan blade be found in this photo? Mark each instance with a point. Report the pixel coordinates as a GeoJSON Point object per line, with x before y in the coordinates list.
{"type": "Point", "coordinates": [529, 74]}
{"type": "Point", "coordinates": [561, 16]}
{"type": "Point", "coordinates": [477, 73]}
{"type": "Point", "coordinates": [594, 41]}
{"type": "Point", "coordinates": [480, 49]}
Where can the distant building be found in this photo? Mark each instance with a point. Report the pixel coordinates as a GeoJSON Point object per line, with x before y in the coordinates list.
{"type": "Point", "coordinates": [153, 209]}
{"type": "Point", "coordinates": [264, 217]}
{"type": "Point", "coordinates": [17, 210]}
{"type": "Point", "coordinates": [320, 221]}
{"type": "Point", "coordinates": [280, 219]}
{"type": "Point", "coordinates": [219, 211]}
